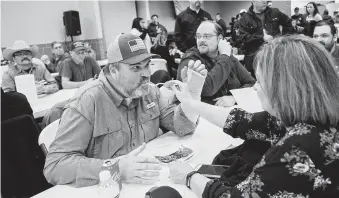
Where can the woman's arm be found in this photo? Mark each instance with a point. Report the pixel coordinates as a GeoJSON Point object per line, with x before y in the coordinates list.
{"type": "Point", "coordinates": [214, 114]}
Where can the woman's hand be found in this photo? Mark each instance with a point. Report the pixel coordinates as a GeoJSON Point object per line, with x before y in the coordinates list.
{"type": "Point", "coordinates": [179, 172]}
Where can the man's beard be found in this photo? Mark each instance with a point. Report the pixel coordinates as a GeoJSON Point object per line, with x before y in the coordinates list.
{"type": "Point", "coordinates": [134, 91]}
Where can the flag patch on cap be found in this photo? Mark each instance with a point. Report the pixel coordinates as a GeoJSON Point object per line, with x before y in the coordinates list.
{"type": "Point", "coordinates": [136, 44]}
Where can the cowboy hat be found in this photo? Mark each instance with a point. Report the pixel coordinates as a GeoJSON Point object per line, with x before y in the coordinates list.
{"type": "Point", "coordinates": [19, 46]}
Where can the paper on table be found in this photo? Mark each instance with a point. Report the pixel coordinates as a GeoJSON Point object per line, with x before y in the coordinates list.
{"type": "Point", "coordinates": [247, 99]}
{"type": "Point", "coordinates": [25, 84]}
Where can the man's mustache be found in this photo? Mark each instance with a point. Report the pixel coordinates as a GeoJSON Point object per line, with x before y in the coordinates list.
{"type": "Point", "coordinates": [25, 59]}
{"type": "Point", "coordinates": [202, 44]}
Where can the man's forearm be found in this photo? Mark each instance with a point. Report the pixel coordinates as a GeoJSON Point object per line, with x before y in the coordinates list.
{"type": "Point", "coordinates": [72, 85]}
{"type": "Point", "coordinates": [73, 169]}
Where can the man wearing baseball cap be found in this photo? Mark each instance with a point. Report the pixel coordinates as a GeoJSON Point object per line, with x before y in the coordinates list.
{"type": "Point", "coordinates": [79, 69]}
{"type": "Point", "coordinates": [115, 116]}
{"type": "Point", "coordinates": [22, 55]}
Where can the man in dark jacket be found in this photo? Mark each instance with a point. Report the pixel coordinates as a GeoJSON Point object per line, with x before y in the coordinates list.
{"type": "Point", "coordinates": [187, 23]}
{"type": "Point", "coordinates": [259, 25]}
{"type": "Point", "coordinates": [224, 71]}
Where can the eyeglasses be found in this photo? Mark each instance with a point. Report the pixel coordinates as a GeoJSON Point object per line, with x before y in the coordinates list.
{"type": "Point", "coordinates": [205, 36]}
{"type": "Point", "coordinates": [22, 53]}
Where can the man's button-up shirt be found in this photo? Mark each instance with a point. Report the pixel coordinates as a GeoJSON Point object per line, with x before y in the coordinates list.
{"type": "Point", "coordinates": [97, 124]}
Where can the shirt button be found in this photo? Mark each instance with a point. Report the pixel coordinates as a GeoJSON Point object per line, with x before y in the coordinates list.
{"type": "Point", "coordinates": [133, 144]}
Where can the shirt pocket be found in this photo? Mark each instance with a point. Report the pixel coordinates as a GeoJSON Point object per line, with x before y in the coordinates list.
{"type": "Point", "coordinates": [150, 122]}
{"type": "Point", "coordinates": [109, 141]}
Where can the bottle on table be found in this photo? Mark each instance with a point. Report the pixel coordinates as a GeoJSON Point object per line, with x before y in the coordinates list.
{"type": "Point", "coordinates": [110, 181]}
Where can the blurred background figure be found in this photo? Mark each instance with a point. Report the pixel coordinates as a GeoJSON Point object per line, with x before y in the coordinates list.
{"type": "Point", "coordinates": [327, 17]}
{"type": "Point", "coordinates": [312, 18]}
{"type": "Point", "coordinates": [221, 22]}
{"type": "Point", "coordinates": [140, 28]}
{"type": "Point", "coordinates": [89, 51]}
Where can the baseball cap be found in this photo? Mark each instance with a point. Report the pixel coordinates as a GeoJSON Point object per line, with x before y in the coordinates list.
{"type": "Point", "coordinates": [77, 45]}
{"type": "Point", "coordinates": [129, 49]}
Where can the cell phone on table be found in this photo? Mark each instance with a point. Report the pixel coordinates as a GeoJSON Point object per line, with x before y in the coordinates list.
{"type": "Point", "coordinates": [212, 171]}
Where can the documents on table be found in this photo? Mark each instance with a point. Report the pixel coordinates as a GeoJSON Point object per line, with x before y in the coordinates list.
{"type": "Point", "coordinates": [247, 99]}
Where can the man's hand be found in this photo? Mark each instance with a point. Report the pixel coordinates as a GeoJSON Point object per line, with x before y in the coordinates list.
{"type": "Point", "coordinates": [225, 101]}
{"type": "Point", "coordinates": [267, 37]}
{"type": "Point", "coordinates": [45, 59]}
{"type": "Point", "coordinates": [224, 47]}
{"type": "Point", "coordinates": [139, 169]}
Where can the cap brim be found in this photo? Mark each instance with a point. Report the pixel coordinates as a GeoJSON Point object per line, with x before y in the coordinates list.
{"type": "Point", "coordinates": [139, 58]}
{"type": "Point", "coordinates": [79, 48]}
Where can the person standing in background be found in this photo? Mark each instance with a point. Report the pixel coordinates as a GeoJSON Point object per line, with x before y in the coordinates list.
{"type": "Point", "coordinates": [221, 22]}
{"type": "Point", "coordinates": [259, 25]}
{"type": "Point", "coordinates": [140, 28]}
{"type": "Point", "coordinates": [154, 26]}
{"type": "Point", "coordinates": [312, 18]}
{"type": "Point", "coordinates": [187, 23]}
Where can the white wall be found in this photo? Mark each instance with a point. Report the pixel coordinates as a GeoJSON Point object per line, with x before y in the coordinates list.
{"type": "Point", "coordinates": [39, 22]}
{"type": "Point", "coordinates": [117, 17]}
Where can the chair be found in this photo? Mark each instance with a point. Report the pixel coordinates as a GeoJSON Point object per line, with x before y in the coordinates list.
{"type": "Point", "coordinates": [158, 64]}
{"type": "Point", "coordinates": [22, 161]}
{"type": "Point", "coordinates": [47, 136]}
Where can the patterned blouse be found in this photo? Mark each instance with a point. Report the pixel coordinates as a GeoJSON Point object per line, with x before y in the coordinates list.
{"type": "Point", "coordinates": [303, 161]}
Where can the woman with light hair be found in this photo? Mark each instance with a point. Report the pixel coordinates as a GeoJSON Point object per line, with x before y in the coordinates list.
{"type": "Point", "coordinates": [299, 88]}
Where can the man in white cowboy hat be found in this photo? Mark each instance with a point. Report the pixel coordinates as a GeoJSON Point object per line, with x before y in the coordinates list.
{"type": "Point", "coordinates": [113, 116]}
{"type": "Point", "coordinates": [22, 54]}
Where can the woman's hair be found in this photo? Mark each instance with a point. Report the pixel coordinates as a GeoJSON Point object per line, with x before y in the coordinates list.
{"type": "Point", "coordinates": [299, 80]}
{"type": "Point", "coordinates": [136, 24]}
{"type": "Point", "coordinates": [316, 10]}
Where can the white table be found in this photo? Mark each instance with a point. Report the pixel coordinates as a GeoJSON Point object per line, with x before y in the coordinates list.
{"type": "Point", "coordinates": [46, 102]}
{"type": "Point", "coordinates": [207, 141]}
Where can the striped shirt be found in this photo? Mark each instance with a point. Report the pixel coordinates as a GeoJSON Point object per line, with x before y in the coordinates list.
{"type": "Point", "coordinates": [97, 125]}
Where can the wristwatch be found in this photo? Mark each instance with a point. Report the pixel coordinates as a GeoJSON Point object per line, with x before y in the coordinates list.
{"type": "Point", "coordinates": [188, 178]}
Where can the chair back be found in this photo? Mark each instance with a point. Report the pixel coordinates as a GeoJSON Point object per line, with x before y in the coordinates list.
{"type": "Point", "coordinates": [158, 64]}
{"type": "Point", "coordinates": [47, 136]}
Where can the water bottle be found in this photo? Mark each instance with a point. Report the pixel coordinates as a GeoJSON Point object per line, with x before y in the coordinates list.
{"type": "Point", "coordinates": [107, 187]}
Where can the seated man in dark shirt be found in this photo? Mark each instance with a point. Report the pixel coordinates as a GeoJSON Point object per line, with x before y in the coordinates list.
{"type": "Point", "coordinates": [79, 69]}
{"type": "Point", "coordinates": [224, 71]}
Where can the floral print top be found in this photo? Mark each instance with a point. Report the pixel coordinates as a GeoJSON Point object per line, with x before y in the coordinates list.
{"type": "Point", "coordinates": [303, 161]}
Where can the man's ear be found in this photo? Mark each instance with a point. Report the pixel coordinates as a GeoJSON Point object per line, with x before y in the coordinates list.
{"type": "Point", "coordinates": [220, 37]}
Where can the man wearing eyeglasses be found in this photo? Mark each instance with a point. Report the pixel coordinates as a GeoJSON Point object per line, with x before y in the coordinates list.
{"type": "Point", "coordinates": [22, 54]}
{"type": "Point", "coordinates": [79, 69]}
{"type": "Point", "coordinates": [224, 71]}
